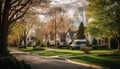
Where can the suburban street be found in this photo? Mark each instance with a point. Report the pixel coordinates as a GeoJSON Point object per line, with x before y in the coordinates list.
{"type": "Point", "coordinates": [38, 62]}
{"type": "Point", "coordinates": [59, 34]}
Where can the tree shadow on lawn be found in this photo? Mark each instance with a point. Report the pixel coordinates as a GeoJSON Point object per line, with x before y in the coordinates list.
{"type": "Point", "coordinates": [98, 61]}
{"type": "Point", "coordinates": [58, 53]}
{"type": "Point", "coordinates": [52, 52]}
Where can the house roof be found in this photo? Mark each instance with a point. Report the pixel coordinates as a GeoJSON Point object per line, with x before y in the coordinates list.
{"type": "Point", "coordinates": [72, 34]}
{"type": "Point", "coordinates": [62, 37]}
{"type": "Point", "coordinates": [52, 35]}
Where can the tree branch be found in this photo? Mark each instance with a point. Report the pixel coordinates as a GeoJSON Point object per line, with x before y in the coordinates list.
{"type": "Point", "coordinates": [18, 17]}
{"type": "Point", "coordinates": [24, 7]}
{"type": "Point", "coordinates": [14, 1]}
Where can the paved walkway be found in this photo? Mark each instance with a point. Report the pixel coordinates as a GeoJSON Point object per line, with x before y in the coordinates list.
{"type": "Point", "coordinates": [38, 62]}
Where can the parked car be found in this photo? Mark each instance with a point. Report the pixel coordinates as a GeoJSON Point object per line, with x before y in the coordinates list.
{"type": "Point", "coordinates": [76, 44]}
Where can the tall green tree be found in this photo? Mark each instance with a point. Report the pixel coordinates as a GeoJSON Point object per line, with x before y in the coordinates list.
{"type": "Point", "coordinates": [80, 32]}
{"type": "Point", "coordinates": [106, 15]}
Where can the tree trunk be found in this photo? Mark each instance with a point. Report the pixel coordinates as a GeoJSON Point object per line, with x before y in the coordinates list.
{"type": "Point", "coordinates": [118, 41]}
{"type": "Point", "coordinates": [3, 46]}
{"type": "Point", "coordinates": [0, 19]}
{"type": "Point", "coordinates": [98, 41]}
{"type": "Point", "coordinates": [4, 29]}
{"type": "Point", "coordinates": [20, 42]}
{"type": "Point", "coordinates": [24, 41]}
{"type": "Point", "coordinates": [109, 43]}
{"type": "Point", "coordinates": [55, 33]}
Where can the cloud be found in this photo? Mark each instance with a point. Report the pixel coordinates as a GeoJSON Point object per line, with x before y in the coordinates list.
{"type": "Point", "coordinates": [69, 2]}
{"type": "Point", "coordinates": [70, 5]}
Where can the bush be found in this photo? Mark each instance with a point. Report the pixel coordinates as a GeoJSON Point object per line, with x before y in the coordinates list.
{"type": "Point", "coordinates": [86, 49]}
{"type": "Point", "coordinates": [20, 47]}
{"type": "Point", "coordinates": [70, 43]}
{"type": "Point", "coordinates": [98, 47]}
{"type": "Point", "coordinates": [115, 53]}
{"type": "Point", "coordinates": [48, 44]}
{"type": "Point", "coordinates": [94, 42]}
{"type": "Point", "coordinates": [108, 54]}
{"type": "Point", "coordinates": [63, 46]}
{"type": "Point", "coordinates": [12, 63]}
{"type": "Point", "coordinates": [38, 48]}
{"type": "Point", "coordinates": [37, 43]}
{"type": "Point", "coordinates": [42, 45]}
{"type": "Point", "coordinates": [29, 44]}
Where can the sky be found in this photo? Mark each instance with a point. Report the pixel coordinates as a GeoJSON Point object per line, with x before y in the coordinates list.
{"type": "Point", "coordinates": [71, 6]}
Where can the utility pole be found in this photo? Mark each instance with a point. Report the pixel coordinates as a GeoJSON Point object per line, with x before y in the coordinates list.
{"type": "Point", "coordinates": [55, 32]}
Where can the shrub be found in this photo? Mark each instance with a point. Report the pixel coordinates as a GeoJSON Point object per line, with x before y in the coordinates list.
{"type": "Point", "coordinates": [58, 43]}
{"type": "Point", "coordinates": [114, 53]}
{"type": "Point", "coordinates": [37, 42]}
{"type": "Point", "coordinates": [104, 47]}
{"type": "Point", "coordinates": [29, 44]}
{"type": "Point", "coordinates": [42, 45]}
{"type": "Point", "coordinates": [63, 46]}
{"type": "Point", "coordinates": [87, 42]}
{"type": "Point", "coordinates": [94, 42]}
{"type": "Point", "coordinates": [86, 49]}
{"type": "Point", "coordinates": [70, 43]}
{"type": "Point", "coordinates": [108, 54]}
{"type": "Point", "coordinates": [38, 48]}
{"type": "Point", "coordinates": [12, 63]}
{"type": "Point", "coordinates": [60, 46]}
{"type": "Point", "coordinates": [98, 47]}
{"type": "Point", "coordinates": [48, 44]}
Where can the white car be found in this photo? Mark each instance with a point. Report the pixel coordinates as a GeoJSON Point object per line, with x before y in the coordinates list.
{"type": "Point", "coordinates": [76, 44]}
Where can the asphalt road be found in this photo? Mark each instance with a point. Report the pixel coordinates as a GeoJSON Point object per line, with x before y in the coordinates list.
{"type": "Point", "coordinates": [38, 62]}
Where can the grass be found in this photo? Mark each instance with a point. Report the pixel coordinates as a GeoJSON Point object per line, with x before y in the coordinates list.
{"type": "Point", "coordinates": [105, 61]}
{"type": "Point", "coordinates": [111, 62]}
{"type": "Point", "coordinates": [64, 52]}
{"type": "Point", "coordinates": [54, 52]}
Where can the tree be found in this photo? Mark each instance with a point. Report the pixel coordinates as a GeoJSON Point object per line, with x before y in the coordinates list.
{"type": "Point", "coordinates": [106, 15]}
{"type": "Point", "coordinates": [18, 33]}
{"type": "Point", "coordinates": [22, 28]}
{"type": "Point", "coordinates": [80, 32]}
{"type": "Point", "coordinates": [63, 24]}
{"type": "Point", "coordinates": [11, 11]}
{"type": "Point", "coordinates": [95, 29]}
{"type": "Point", "coordinates": [42, 29]}
{"type": "Point", "coordinates": [94, 42]}
{"type": "Point", "coordinates": [80, 14]}
{"type": "Point", "coordinates": [54, 13]}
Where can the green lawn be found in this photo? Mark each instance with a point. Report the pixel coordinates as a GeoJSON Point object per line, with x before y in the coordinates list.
{"type": "Point", "coordinates": [54, 52]}
{"type": "Point", "coordinates": [111, 62]}
{"type": "Point", "coordinates": [65, 52]}
{"type": "Point", "coordinates": [106, 61]}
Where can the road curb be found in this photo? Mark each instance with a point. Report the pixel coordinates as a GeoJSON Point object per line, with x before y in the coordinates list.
{"type": "Point", "coordinates": [88, 65]}
{"type": "Point", "coordinates": [84, 64]}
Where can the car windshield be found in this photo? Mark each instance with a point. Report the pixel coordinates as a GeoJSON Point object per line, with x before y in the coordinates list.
{"type": "Point", "coordinates": [79, 42]}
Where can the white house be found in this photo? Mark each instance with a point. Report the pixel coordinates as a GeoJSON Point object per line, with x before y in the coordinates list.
{"type": "Point", "coordinates": [62, 38]}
